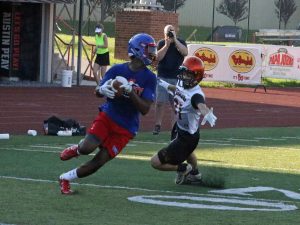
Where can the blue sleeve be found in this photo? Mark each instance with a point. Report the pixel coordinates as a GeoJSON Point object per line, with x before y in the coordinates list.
{"type": "Point", "coordinates": [149, 89]}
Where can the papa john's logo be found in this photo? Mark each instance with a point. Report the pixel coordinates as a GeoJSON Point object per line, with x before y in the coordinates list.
{"type": "Point", "coordinates": [241, 61]}
{"type": "Point", "coordinates": [281, 58]}
{"type": "Point", "coordinates": [208, 56]}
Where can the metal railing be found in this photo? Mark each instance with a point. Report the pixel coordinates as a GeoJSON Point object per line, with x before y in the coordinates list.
{"type": "Point", "coordinates": [90, 58]}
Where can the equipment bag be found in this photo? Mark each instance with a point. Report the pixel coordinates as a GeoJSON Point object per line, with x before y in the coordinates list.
{"type": "Point", "coordinates": [54, 124]}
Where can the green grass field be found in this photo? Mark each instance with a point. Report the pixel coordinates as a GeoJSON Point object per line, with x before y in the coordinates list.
{"type": "Point", "coordinates": [261, 165]}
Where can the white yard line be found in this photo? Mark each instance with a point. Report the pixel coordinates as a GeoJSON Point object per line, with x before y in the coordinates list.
{"type": "Point", "coordinates": [25, 179]}
{"type": "Point", "coordinates": [241, 139]}
{"type": "Point", "coordinates": [298, 138]}
{"type": "Point", "coordinates": [271, 139]}
{"type": "Point", "coordinates": [45, 146]}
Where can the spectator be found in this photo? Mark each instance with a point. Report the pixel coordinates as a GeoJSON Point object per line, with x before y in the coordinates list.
{"type": "Point", "coordinates": [102, 54]}
{"type": "Point", "coordinates": [170, 55]}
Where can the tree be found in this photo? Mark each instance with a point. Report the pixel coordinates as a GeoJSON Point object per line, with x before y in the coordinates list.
{"type": "Point", "coordinates": [284, 10]}
{"type": "Point", "coordinates": [169, 4]}
{"type": "Point", "coordinates": [109, 7]}
{"type": "Point", "coordinates": [236, 10]}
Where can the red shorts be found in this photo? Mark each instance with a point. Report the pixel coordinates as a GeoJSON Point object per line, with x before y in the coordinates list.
{"type": "Point", "coordinates": [113, 137]}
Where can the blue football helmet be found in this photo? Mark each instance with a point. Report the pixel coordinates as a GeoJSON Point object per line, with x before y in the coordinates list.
{"type": "Point", "coordinates": [142, 46]}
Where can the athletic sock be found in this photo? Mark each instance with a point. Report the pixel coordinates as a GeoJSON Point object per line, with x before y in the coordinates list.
{"type": "Point", "coordinates": [71, 175]}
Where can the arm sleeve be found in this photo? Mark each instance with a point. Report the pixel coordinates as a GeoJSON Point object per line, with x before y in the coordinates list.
{"type": "Point", "coordinates": [197, 99]}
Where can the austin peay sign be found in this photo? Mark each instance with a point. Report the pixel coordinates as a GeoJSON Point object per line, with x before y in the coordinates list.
{"type": "Point", "coordinates": [10, 41]}
{"type": "Point", "coordinates": [5, 40]}
{"type": "Point", "coordinates": [20, 40]}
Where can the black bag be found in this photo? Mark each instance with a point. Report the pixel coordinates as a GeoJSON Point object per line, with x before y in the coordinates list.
{"type": "Point", "coordinates": [54, 124]}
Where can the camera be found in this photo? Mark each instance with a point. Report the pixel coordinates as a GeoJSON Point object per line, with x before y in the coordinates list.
{"type": "Point", "coordinates": [170, 34]}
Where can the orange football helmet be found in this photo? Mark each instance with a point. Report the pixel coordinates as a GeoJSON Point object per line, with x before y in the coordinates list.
{"type": "Point", "coordinates": [191, 72]}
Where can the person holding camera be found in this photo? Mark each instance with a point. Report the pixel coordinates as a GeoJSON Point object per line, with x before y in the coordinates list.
{"type": "Point", "coordinates": [170, 55]}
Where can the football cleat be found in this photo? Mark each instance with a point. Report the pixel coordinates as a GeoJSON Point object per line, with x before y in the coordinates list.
{"type": "Point", "coordinates": [193, 178]}
{"type": "Point", "coordinates": [69, 153]}
{"type": "Point", "coordinates": [180, 177]}
{"type": "Point", "coordinates": [65, 187]}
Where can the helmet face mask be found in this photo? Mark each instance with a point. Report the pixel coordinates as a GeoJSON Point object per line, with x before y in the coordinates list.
{"type": "Point", "coordinates": [187, 78]}
{"type": "Point", "coordinates": [143, 47]}
{"type": "Point", "coordinates": [191, 72]}
{"type": "Point", "coordinates": [151, 51]}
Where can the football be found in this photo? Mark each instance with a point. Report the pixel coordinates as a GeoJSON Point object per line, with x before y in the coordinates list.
{"type": "Point", "coordinates": [116, 85]}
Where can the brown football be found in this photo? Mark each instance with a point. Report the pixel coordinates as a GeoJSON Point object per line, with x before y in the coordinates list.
{"type": "Point", "coordinates": [117, 86]}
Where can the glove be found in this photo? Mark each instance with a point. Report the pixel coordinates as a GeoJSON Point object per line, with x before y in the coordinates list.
{"type": "Point", "coordinates": [127, 86]}
{"type": "Point", "coordinates": [106, 89]}
{"type": "Point", "coordinates": [209, 117]}
{"type": "Point", "coordinates": [163, 83]}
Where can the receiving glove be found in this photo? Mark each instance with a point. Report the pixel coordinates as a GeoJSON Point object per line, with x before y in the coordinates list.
{"type": "Point", "coordinates": [209, 117]}
{"type": "Point", "coordinates": [163, 83]}
{"type": "Point", "coordinates": [106, 89]}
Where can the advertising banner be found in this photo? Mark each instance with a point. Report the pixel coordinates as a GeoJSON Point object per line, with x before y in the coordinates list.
{"type": "Point", "coordinates": [20, 37]}
{"type": "Point", "coordinates": [234, 64]}
{"type": "Point", "coordinates": [5, 40]}
{"type": "Point", "coordinates": [281, 62]}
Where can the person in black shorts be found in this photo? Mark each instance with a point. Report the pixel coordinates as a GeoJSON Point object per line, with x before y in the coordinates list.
{"type": "Point", "coordinates": [102, 54]}
{"type": "Point", "coordinates": [189, 103]}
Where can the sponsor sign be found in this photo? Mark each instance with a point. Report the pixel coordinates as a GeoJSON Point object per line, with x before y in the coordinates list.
{"type": "Point", "coordinates": [5, 40]}
{"type": "Point", "coordinates": [282, 62]}
{"type": "Point", "coordinates": [241, 61]}
{"type": "Point", "coordinates": [20, 37]}
{"type": "Point", "coordinates": [208, 56]}
{"type": "Point", "coordinates": [281, 58]}
{"type": "Point", "coordinates": [234, 64]}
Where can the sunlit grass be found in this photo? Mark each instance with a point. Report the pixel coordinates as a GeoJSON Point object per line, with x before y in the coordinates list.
{"type": "Point", "coordinates": [87, 47]}
{"type": "Point", "coordinates": [268, 82]}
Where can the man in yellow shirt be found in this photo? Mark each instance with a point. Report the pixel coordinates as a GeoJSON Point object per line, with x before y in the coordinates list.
{"type": "Point", "coordinates": [102, 54]}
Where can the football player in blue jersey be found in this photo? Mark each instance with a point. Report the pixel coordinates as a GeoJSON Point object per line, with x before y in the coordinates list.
{"type": "Point", "coordinates": [189, 102]}
{"type": "Point", "coordinates": [118, 119]}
